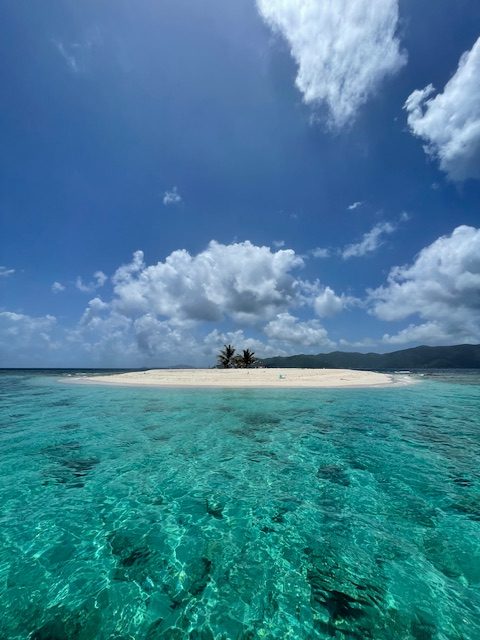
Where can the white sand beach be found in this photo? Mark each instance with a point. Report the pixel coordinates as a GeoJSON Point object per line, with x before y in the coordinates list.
{"type": "Point", "coordinates": [277, 378]}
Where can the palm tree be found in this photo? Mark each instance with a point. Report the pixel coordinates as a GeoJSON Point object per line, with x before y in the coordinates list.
{"type": "Point", "coordinates": [225, 357]}
{"type": "Point", "coordinates": [247, 359]}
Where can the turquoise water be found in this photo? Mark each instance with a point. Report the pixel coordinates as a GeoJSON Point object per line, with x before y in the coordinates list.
{"type": "Point", "coordinates": [228, 514]}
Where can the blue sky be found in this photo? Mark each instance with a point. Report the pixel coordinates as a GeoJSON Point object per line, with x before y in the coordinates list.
{"type": "Point", "coordinates": [291, 179]}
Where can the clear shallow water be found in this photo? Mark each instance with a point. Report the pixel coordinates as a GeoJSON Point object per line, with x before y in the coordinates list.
{"type": "Point", "coordinates": [152, 513]}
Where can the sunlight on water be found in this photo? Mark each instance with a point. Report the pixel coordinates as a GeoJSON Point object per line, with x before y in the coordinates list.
{"type": "Point", "coordinates": [144, 513]}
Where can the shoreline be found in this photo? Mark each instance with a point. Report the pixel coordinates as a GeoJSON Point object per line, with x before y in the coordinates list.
{"type": "Point", "coordinates": [247, 379]}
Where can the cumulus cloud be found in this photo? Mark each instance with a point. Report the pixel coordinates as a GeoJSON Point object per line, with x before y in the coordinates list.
{"type": "Point", "coordinates": [159, 338]}
{"type": "Point", "coordinates": [320, 252]}
{"type": "Point", "coordinates": [161, 314]}
{"type": "Point", "coordinates": [449, 122]}
{"type": "Point", "coordinates": [24, 339]}
{"type": "Point", "coordinates": [442, 287]}
{"type": "Point", "coordinates": [370, 241]}
{"type": "Point", "coordinates": [57, 287]}
{"type": "Point", "coordinates": [94, 310]}
{"type": "Point", "coordinates": [343, 49]}
{"type": "Point", "coordinates": [432, 333]}
{"type": "Point", "coordinates": [328, 303]}
{"type": "Point", "coordinates": [158, 312]}
{"type": "Point", "coordinates": [242, 281]}
{"type": "Point", "coordinates": [4, 272]}
{"type": "Point", "coordinates": [171, 197]}
{"type": "Point", "coordinates": [88, 287]}
{"type": "Point", "coordinates": [286, 328]}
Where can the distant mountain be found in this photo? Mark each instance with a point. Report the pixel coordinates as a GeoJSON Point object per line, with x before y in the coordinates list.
{"type": "Point", "coordinates": [462, 356]}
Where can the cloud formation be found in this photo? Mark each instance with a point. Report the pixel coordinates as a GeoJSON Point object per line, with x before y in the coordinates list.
{"type": "Point", "coordinates": [370, 241]}
{"type": "Point", "coordinates": [57, 287]}
{"type": "Point", "coordinates": [343, 49]}
{"type": "Point", "coordinates": [159, 313]}
{"type": "Point", "coordinates": [240, 281]}
{"type": "Point", "coordinates": [171, 197]}
{"type": "Point", "coordinates": [442, 287]}
{"type": "Point", "coordinates": [4, 272]}
{"type": "Point", "coordinates": [286, 328]}
{"type": "Point", "coordinates": [89, 287]}
{"type": "Point", "coordinates": [162, 314]}
{"type": "Point", "coordinates": [78, 55]}
{"type": "Point", "coordinates": [449, 122]}
{"type": "Point", "coordinates": [327, 303]}
{"type": "Point", "coordinates": [320, 252]}
{"type": "Point", "coordinates": [354, 205]}
{"type": "Point", "coordinates": [26, 340]}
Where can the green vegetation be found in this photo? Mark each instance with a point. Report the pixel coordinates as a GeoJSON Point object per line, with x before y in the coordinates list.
{"type": "Point", "coordinates": [464, 356]}
{"type": "Point", "coordinates": [227, 359]}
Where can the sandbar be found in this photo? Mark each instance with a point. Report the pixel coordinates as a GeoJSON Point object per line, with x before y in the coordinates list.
{"type": "Point", "coordinates": [245, 378]}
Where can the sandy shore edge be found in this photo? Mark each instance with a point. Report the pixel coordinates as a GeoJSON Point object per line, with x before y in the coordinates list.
{"type": "Point", "coordinates": [247, 378]}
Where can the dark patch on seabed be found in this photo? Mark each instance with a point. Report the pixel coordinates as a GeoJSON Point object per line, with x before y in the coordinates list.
{"type": "Point", "coordinates": [66, 402]}
{"type": "Point", "coordinates": [469, 507]}
{"type": "Point", "coordinates": [70, 426]}
{"type": "Point", "coordinates": [134, 560]}
{"type": "Point", "coordinates": [463, 482]}
{"type": "Point", "coordinates": [71, 469]}
{"type": "Point", "coordinates": [214, 508]}
{"type": "Point", "coordinates": [260, 454]}
{"type": "Point", "coordinates": [334, 473]}
{"type": "Point", "coordinates": [156, 631]}
{"type": "Point", "coordinates": [260, 419]}
{"type": "Point", "coordinates": [345, 602]}
{"type": "Point", "coordinates": [202, 577]}
{"type": "Point", "coordinates": [55, 630]}
{"type": "Point", "coordinates": [83, 623]}
{"type": "Point", "coordinates": [58, 450]}
{"type": "Point", "coordinates": [199, 576]}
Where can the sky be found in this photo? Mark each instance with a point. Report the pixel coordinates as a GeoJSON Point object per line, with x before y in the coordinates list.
{"type": "Point", "coordinates": [289, 176]}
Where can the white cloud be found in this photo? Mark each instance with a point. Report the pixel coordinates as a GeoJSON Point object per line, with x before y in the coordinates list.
{"type": "Point", "coordinates": [104, 337]}
{"type": "Point", "coordinates": [14, 324]}
{"type": "Point", "coordinates": [354, 205]}
{"type": "Point", "coordinates": [278, 244]}
{"type": "Point", "coordinates": [78, 55]}
{"type": "Point", "coordinates": [320, 252]}
{"type": "Point", "coordinates": [24, 339]}
{"type": "Point", "coordinates": [159, 338]}
{"type": "Point", "coordinates": [95, 308]}
{"type": "Point", "coordinates": [449, 122]}
{"type": "Point", "coordinates": [370, 241]}
{"type": "Point", "coordinates": [286, 328]}
{"type": "Point", "coordinates": [427, 333]}
{"type": "Point", "coordinates": [327, 303]}
{"type": "Point", "coordinates": [57, 287]}
{"type": "Point", "coordinates": [442, 287]}
{"type": "Point", "coordinates": [4, 272]}
{"type": "Point", "coordinates": [344, 49]}
{"type": "Point", "coordinates": [241, 281]}
{"type": "Point", "coordinates": [358, 344]}
{"type": "Point", "coordinates": [172, 197]}
{"type": "Point", "coordinates": [67, 54]}
{"type": "Point", "coordinates": [88, 287]}
{"type": "Point", "coordinates": [158, 314]}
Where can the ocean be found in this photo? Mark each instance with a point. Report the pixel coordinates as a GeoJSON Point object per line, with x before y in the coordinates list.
{"type": "Point", "coordinates": [141, 513]}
